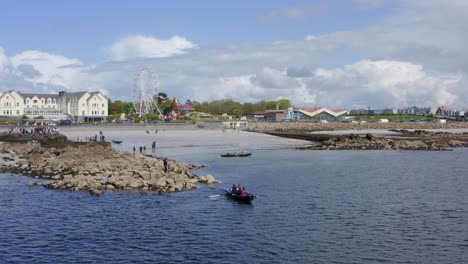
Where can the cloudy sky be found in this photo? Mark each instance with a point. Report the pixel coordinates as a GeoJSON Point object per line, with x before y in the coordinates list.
{"type": "Point", "coordinates": [338, 54]}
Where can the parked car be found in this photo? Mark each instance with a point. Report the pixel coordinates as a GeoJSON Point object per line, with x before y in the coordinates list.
{"type": "Point", "coordinates": [65, 122]}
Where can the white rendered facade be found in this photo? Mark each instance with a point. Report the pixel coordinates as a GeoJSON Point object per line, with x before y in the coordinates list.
{"type": "Point", "coordinates": [11, 104]}
{"type": "Point", "coordinates": [79, 106]}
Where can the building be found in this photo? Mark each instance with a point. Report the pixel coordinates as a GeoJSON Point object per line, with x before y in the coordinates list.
{"type": "Point", "coordinates": [361, 111]}
{"type": "Point", "coordinates": [442, 111]}
{"type": "Point", "coordinates": [80, 106]}
{"type": "Point", "coordinates": [322, 113]}
{"type": "Point", "coordinates": [11, 104]}
{"type": "Point", "coordinates": [268, 116]}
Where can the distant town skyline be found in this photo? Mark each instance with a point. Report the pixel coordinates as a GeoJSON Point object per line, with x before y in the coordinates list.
{"type": "Point", "coordinates": [338, 54]}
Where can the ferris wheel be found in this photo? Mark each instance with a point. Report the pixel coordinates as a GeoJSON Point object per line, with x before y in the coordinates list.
{"type": "Point", "coordinates": [145, 89]}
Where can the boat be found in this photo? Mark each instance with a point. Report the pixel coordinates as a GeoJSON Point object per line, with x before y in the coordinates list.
{"type": "Point", "coordinates": [243, 199]}
{"type": "Point", "coordinates": [117, 141]}
{"type": "Point", "coordinates": [236, 154]}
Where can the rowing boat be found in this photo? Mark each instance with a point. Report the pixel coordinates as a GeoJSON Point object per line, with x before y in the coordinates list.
{"type": "Point", "coordinates": [243, 199]}
{"type": "Point", "coordinates": [235, 154]}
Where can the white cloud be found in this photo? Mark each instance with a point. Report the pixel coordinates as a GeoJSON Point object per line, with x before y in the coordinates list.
{"type": "Point", "coordinates": [50, 68]}
{"type": "Point", "coordinates": [4, 61]}
{"type": "Point", "coordinates": [416, 57]}
{"type": "Point", "coordinates": [310, 37]}
{"type": "Point", "coordinates": [386, 84]}
{"type": "Point", "coordinates": [138, 46]}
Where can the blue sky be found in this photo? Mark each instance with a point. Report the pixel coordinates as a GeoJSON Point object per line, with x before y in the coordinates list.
{"type": "Point", "coordinates": [84, 28]}
{"type": "Point", "coordinates": [244, 50]}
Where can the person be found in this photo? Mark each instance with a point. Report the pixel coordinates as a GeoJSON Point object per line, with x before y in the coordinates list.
{"type": "Point", "coordinates": [239, 189]}
{"type": "Point", "coordinates": [165, 165]}
{"type": "Point", "coordinates": [134, 149]}
{"type": "Point", "coordinates": [243, 192]}
{"type": "Point", "coordinates": [233, 188]}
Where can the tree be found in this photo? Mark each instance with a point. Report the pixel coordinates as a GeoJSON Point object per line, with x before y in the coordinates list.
{"type": "Point", "coordinates": [284, 104]}
{"type": "Point", "coordinates": [271, 105]}
{"type": "Point", "coordinates": [249, 108]}
{"type": "Point", "coordinates": [117, 107]}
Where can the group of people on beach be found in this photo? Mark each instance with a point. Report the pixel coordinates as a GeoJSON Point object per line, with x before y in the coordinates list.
{"type": "Point", "coordinates": [238, 190]}
{"type": "Point", "coordinates": [143, 148]}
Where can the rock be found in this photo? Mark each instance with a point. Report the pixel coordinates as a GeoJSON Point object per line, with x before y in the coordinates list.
{"type": "Point", "coordinates": [126, 171]}
{"type": "Point", "coordinates": [30, 184]}
{"type": "Point", "coordinates": [95, 192]}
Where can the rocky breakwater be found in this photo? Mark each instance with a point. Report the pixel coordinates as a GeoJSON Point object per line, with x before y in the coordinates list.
{"type": "Point", "coordinates": [417, 140]}
{"type": "Point", "coordinates": [97, 167]}
{"type": "Point", "coordinates": [311, 127]}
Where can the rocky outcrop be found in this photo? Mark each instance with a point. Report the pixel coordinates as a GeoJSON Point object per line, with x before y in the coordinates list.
{"type": "Point", "coordinates": [418, 140]}
{"type": "Point", "coordinates": [312, 127]}
{"type": "Point", "coordinates": [97, 167]}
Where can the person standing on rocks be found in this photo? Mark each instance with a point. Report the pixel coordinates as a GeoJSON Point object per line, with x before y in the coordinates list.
{"type": "Point", "coordinates": [165, 165]}
{"type": "Point", "coordinates": [134, 149]}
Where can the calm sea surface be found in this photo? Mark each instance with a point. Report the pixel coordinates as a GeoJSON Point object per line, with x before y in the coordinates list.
{"type": "Point", "coordinates": [313, 207]}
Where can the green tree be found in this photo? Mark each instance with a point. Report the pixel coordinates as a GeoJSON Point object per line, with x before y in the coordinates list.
{"type": "Point", "coordinates": [152, 117]}
{"type": "Point", "coordinates": [117, 107]}
{"type": "Point", "coordinates": [271, 105]}
{"type": "Point", "coordinates": [128, 107]}
{"type": "Point", "coordinates": [284, 104]}
{"type": "Point", "coordinates": [248, 108]}
{"type": "Point", "coordinates": [233, 108]}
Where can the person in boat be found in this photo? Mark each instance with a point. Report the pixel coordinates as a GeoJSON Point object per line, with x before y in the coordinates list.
{"type": "Point", "coordinates": [233, 188]}
{"type": "Point", "coordinates": [243, 192]}
{"type": "Point", "coordinates": [238, 190]}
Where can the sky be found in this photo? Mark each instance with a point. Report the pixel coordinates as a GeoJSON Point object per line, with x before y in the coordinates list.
{"type": "Point", "coordinates": [336, 54]}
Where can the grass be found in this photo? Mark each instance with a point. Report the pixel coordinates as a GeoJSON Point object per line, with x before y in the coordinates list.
{"type": "Point", "coordinates": [393, 118]}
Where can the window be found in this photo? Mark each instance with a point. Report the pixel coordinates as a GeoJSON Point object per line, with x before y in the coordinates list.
{"type": "Point", "coordinates": [102, 105]}
{"type": "Point", "coordinates": [35, 101]}
{"type": "Point", "coordinates": [17, 103]}
{"type": "Point", "coordinates": [102, 112]}
{"type": "Point", "coordinates": [27, 100]}
{"type": "Point", "coordinates": [84, 104]}
{"type": "Point", "coordinates": [17, 112]}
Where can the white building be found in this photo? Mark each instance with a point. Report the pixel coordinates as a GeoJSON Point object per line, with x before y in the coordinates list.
{"type": "Point", "coordinates": [79, 106]}
{"type": "Point", "coordinates": [11, 104]}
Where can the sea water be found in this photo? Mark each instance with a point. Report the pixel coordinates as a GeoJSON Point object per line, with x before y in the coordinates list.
{"type": "Point", "coordinates": [312, 207]}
